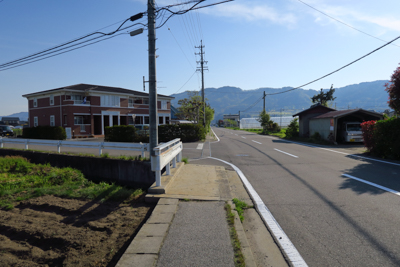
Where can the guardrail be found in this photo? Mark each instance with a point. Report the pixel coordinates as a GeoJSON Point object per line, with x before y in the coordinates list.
{"type": "Point", "coordinates": [80, 144]}
{"type": "Point", "coordinates": [164, 154]}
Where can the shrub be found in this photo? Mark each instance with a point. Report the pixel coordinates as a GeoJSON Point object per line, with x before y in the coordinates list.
{"type": "Point", "coordinates": [45, 132]}
{"type": "Point", "coordinates": [186, 132]}
{"type": "Point", "coordinates": [120, 133]}
{"type": "Point", "coordinates": [367, 128]}
{"type": "Point", "coordinates": [293, 129]}
{"type": "Point", "coordinates": [386, 138]}
{"type": "Point", "coordinates": [316, 136]}
{"type": "Point", "coordinates": [275, 127]}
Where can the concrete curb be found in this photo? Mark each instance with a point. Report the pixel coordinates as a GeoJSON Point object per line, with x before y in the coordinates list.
{"type": "Point", "coordinates": [145, 247]}
{"type": "Point", "coordinates": [244, 244]}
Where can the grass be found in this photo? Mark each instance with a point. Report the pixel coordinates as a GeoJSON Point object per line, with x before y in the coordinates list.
{"type": "Point", "coordinates": [21, 180]}
{"type": "Point", "coordinates": [239, 258]}
{"type": "Point", "coordinates": [104, 155]}
{"type": "Point", "coordinates": [186, 160]}
{"type": "Point", "coordinates": [240, 207]}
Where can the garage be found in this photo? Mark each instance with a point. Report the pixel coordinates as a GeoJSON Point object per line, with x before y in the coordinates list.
{"type": "Point", "coordinates": [339, 125]}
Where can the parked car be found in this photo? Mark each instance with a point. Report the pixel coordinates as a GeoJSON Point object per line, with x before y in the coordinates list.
{"type": "Point", "coordinates": [5, 130]}
{"type": "Point", "coordinates": [351, 132]}
{"type": "Point", "coordinates": [18, 127]}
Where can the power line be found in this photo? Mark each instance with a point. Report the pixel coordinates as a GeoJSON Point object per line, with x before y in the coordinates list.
{"type": "Point", "coordinates": [185, 82]}
{"type": "Point", "coordinates": [252, 105]}
{"type": "Point", "coordinates": [339, 68]}
{"type": "Point", "coordinates": [344, 23]}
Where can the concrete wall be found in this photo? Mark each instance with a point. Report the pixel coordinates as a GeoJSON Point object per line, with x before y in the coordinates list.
{"type": "Point", "coordinates": [322, 126]}
{"type": "Point", "coordinates": [123, 172]}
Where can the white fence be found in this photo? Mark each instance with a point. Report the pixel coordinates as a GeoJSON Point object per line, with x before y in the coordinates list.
{"type": "Point", "coordinates": [164, 154]}
{"type": "Point", "coordinates": [79, 144]}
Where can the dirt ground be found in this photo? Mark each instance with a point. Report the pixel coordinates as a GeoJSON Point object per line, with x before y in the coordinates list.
{"type": "Point", "coordinates": [54, 231]}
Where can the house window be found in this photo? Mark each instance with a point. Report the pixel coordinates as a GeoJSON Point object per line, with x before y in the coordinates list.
{"type": "Point", "coordinates": [145, 101]}
{"type": "Point", "coordinates": [166, 120]}
{"type": "Point", "coordinates": [160, 120]}
{"type": "Point", "coordinates": [35, 121]}
{"type": "Point", "coordinates": [65, 119]}
{"type": "Point", "coordinates": [51, 100]}
{"type": "Point", "coordinates": [130, 102]}
{"type": "Point", "coordinates": [110, 101]}
{"type": "Point", "coordinates": [164, 104]}
{"type": "Point", "coordinates": [78, 120]}
{"type": "Point", "coordinates": [138, 100]}
{"type": "Point", "coordinates": [139, 120]}
{"type": "Point", "coordinates": [35, 102]}
{"type": "Point", "coordinates": [52, 121]}
{"type": "Point", "coordinates": [76, 97]}
{"type": "Point", "coordinates": [146, 120]}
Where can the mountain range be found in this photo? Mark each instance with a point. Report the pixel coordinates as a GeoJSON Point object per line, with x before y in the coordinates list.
{"type": "Point", "coordinates": [231, 100]}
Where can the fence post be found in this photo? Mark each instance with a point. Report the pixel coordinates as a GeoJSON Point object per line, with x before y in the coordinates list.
{"type": "Point", "coordinates": [100, 148]}
{"type": "Point", "coordinates": [1, 142]}
{"type": "Point", "coordinates": [59, 147]}
{"type": "Point", "coordinates": [168, 168]}
{"type": "Point", "coordinates": [142, 149]}
{"type": "Point", "coordinates": [26, 143]}
{"type": "Point", "coordinates": [174, 163]}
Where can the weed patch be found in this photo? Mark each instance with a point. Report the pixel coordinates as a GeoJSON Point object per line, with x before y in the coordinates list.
{"type": "Point", "coordinates": [239, 258]}
{"type": "Point", "coordinates": [240, 207]}
{"type": "Point", "coordinates": [21, 180]}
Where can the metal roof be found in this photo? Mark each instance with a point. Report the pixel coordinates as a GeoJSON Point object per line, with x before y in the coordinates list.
{"type": "Point", "coordinates": [318, 105]}
{"type": "Point", "coordinates": [95, 88]}
{"type": "Point", "coordinates": [341, 113]}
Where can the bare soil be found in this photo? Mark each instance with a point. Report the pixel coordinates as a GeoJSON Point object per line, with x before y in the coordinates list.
{"type": "Point", "coordinates": [54, 231]}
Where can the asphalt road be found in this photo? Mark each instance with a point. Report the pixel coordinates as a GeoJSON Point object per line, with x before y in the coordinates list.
{"type": "Point", "coordinates": [332, 220]}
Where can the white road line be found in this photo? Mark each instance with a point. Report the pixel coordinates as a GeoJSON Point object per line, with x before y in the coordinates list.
{"type": "Point", "coordinates": [215, 136]}
{"type": "Point", "coordinates": [270, 137]}
{"type": "Point", "coordinates": [352, 155]}
{"type": "Point", "coordinates": [200, 146]}
{"type": "Point", "coordinates": [285, 153]}
{"type": "Point", "coordinates": [280, 236]}
{"type": "Point", "coordinates": [256, 142]}
{"type": "Point", "coordinates": [373, 184]}
{"type": "Point", "coordinates": [243, 137]}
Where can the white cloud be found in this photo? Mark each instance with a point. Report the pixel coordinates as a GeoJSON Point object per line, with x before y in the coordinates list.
{"type": "Point", "coordinates": [252, 13]}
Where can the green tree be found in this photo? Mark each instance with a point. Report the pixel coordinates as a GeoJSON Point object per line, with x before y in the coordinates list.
{"type": "Point", "coordinates": [191, 109]}
{"type": "Point", "coordinates": [323, 98]}
{"type": "Point", "coordinates": [265, 121]}
{"type": "Point", "coordinates": [393, 88]}
{"type": "Point", "coordinates": [293, 129]}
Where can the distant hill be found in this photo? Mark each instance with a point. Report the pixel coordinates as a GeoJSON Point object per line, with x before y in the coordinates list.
{"type": "Point", "coordinates": [229, 100]}
{"type": "Point", "coordinates": [23, 116]}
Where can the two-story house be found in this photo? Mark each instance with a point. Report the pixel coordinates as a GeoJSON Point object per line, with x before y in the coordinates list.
{"type": "Point", "coordinates": [86, 109]}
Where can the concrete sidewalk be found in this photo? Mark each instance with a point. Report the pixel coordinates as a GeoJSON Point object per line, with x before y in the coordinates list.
{"type": "Point", "coordinates": [188, 227]}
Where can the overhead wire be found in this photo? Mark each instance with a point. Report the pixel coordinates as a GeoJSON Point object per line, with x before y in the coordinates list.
{"type": "Point", "coordinates": [358, 59]}
{"type": "Point", "coordinates": [185, 82]}
{"type": "Point", "coordinates": [310, 6]}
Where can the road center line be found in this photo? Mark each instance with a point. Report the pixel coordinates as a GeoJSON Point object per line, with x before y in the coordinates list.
{"type": "Point", "coordinates": [243, 137]}
{"type": "Point", "coordinates": [373, 184]}
{"type": "Point", "coordinates": [285, 153]}
{"type": "Point", "coordinates": [256, 142]}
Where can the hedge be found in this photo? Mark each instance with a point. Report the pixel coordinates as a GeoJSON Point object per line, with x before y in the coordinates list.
{"type": "Point", "coordinates": [120, 133]}
{"type": "Point", "coordinates": [382, 137]}
{"type": "Point", "coordinates": [45, 132]}
{"type": "Point", "coordinates": [166, 133]}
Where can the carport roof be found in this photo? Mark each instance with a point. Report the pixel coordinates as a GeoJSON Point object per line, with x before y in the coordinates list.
{"type": "Point", "coordinates": [341, 113]}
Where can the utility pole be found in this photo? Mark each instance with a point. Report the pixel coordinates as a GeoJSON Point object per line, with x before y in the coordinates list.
{"type": "Point", "coordinates": [202, 68]}
{"type": "Point", "coordinates": [152, 77]}
{"type": "Point", "coordinates": [264, 101]}
{"type": "Point", "coordinates": [239, 119]}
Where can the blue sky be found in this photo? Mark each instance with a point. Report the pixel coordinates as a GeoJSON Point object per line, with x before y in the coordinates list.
{"type": "Point", "coordinates": [248, 44]}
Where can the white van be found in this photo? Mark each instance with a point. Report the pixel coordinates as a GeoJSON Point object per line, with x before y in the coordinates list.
{"type": "Point", "coordinates": [351, 132]}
